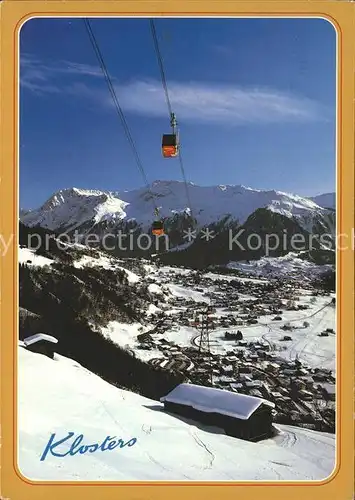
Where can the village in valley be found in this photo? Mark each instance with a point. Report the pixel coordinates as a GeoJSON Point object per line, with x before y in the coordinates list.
{"type": "Point", "coordinates": [209, 353]}
{"type": "Point", "coordinates": [262, 335]}
{"type": "Point", "coordinates": [269, 338]}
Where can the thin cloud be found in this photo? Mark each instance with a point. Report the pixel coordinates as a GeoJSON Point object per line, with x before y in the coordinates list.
{"type": "Point", "coordinates": [40, 77]}
{"type": "Point", "coordinates": [192, 101]}
{"type": "Point", "coordinates": [79, 69]}
{"type": "Point", "coordinates": [217, 103]}
{"type": "Point", "coordinates": [49, 69]}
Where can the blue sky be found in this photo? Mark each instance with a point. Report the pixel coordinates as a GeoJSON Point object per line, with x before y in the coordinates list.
{"type": "Point", "coordinates": [254, 98]}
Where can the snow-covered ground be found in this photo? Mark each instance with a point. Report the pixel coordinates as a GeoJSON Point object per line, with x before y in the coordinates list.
{"type": "Point", "coordinates": [125, 335]}
{"type": "Point", "coordinates": [306, 345]}
{"type": "Point", "coordinates": [186, 293]}
{"type": "Point", "coordinates": [29, 257]}
{"type": "Point", "coordinates": [216, 276]}
{"type": "Point", "coordinates": [290, 265]}
{"type": "Point", "coordinates": [59, 396]}
{"type": "Point", "coordinates": [106, 263]}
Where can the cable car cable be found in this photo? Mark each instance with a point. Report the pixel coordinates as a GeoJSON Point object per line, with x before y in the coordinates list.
{"type": "Point", "coordinates": [161, 65]}
{"type": "Point", "coordinates": [165, 86]}
{"type": "Point", "coordinates": [118, 108]}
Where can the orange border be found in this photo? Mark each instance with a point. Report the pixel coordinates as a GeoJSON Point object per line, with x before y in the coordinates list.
{"type": "Point", "coordinates": [13, 14]}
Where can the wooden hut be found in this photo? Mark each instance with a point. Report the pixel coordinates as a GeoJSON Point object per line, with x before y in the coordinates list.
{"type": "Point", "coordinates": [41, 343]}
{"type": "Point", "coordinates": [239, 415]}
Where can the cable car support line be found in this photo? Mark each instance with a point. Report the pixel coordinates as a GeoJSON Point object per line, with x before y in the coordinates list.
{"type": "Point", "coordinates": [173, 122]}
{"type": "Point", "coordinates": [118, 108]}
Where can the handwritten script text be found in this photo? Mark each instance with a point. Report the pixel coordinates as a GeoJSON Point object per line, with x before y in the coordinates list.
{"type": "Point", "coordinates": [109, 443]}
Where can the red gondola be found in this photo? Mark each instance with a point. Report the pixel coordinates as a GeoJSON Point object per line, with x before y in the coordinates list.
{"type": "Point", "coordinates": [158, 228]}
{"type": "Point", "coordinates": [170, 146]}
{"type": "Point", "coordinates": [170, 142]}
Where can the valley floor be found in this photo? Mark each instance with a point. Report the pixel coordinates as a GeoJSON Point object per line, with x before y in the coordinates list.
{"type": "Point", "coordinates": [305, 344]}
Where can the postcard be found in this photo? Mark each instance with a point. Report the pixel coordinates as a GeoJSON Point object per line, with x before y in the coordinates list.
{"type": "Point", "coordinates": [177, 249]}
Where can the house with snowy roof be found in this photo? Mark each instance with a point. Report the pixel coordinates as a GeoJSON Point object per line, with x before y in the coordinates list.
{"type": "Point", "coordinates": [239, 415]}
{"type": "Point", "coordinates": [41, 343]}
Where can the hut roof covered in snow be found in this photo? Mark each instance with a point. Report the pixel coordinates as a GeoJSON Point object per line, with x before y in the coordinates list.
{"type": "Point", "coordinates": [38, 337]}
{"type": "Point", "coordinates": [212, 400]}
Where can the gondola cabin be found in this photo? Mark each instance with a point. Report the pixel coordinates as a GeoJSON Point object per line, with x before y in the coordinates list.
{"type": "Point", "coordinates": [158, 228]}
{"type": "Point", "coordinates": [170, 145]}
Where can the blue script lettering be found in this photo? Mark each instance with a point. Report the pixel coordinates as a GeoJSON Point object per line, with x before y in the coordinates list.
{"type": "Point", "coordinates": [109, 443]}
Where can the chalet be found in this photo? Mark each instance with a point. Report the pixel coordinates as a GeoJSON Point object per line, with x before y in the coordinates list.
{"type": "Point", "coordinates": [259, 375]}
{"type": "Point", "coordinates": [276, 395]}
{"type": "Point", "coordinates": [309, 382]}
{"type": "Point", "coordinates": [302, 372]}
{"type": "Point", "coordinates": [144, 337]}
{"type": "Point", "coordinates": [272, 367]}
{"type": "Point", "coordinates": [241, 416]}
{"type": "Point", "coordinates": [41, 343]}
{"type": "Point", "coordinates": [259, 346]}
{"type": "Point", "coordinates": [306, 395]}
{"type": "Point", "coordinates": [236, 387]}
{"type": "Point", "coordinates": [253, 384]}
{"type": "Point", "coordinates": [231, 359]}
{"type": "Point", "coordinates": [145, 347]}
{"type": "Point", "coordinates": [256, 393]}
{"type": "Point", "coordinates": [244, 369]}
{"type": "Point", "coordinates": [289, 372]}
{"type": "Point", "coordinates": [224, 380]}
{"type": "Point", "coordinates": [328, 391]}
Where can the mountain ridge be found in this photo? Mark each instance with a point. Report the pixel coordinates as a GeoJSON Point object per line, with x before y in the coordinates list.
{"type": "Point", "coordinates": [209, 204]}
{"type": "Point", "coordinates": [220, 209]}
{"type": "Point", "coordinates": [325, 200]}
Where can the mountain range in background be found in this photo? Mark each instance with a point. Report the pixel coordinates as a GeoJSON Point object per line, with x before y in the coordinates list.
{"type": "Point", "coordinates": [326, 200]}
{"type": "Point", "coordinates": [223, 209]}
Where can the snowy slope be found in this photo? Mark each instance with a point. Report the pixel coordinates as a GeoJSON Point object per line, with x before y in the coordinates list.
{"type": "Point", "coordinates": [289, 265]}
{"type": "Point", "coordinates": [59, 396]}
{"type": "Point", "coordinates": [71, 208]}
{"type": "Point", "coordinates": [29, 257]}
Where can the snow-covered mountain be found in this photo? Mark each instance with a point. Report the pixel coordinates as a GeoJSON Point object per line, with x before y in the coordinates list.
{"type": "Point", "coordinates": [70, 209]}
{"type": "Point", "coordinates": [326, 200]}
{"type": "Point", "coordinates": [23, 212]}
